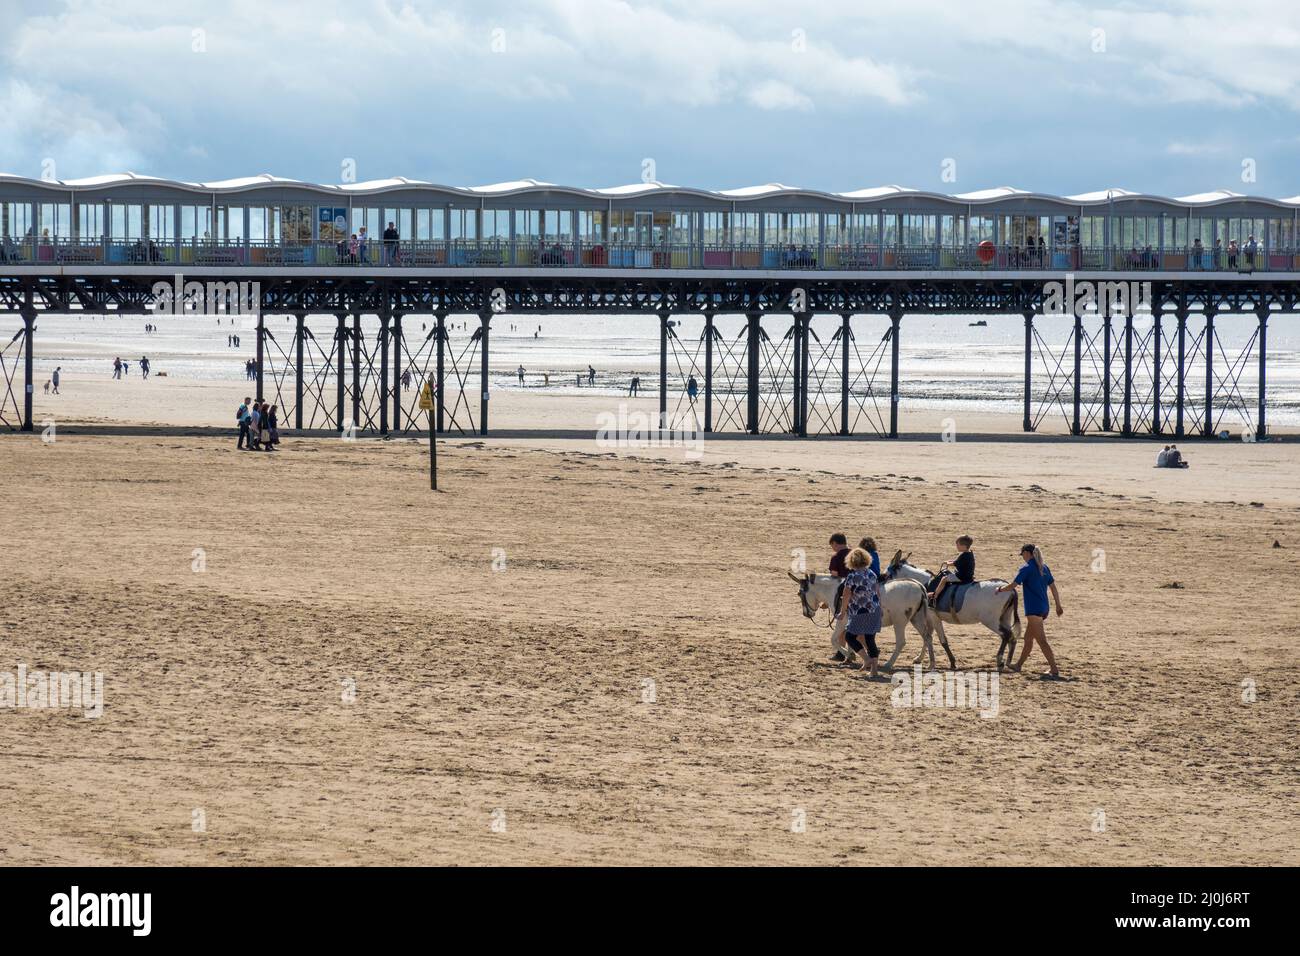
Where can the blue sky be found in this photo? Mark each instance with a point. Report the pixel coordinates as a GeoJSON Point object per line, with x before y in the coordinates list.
{"type": "Point", "coordinates": [1168, 98]}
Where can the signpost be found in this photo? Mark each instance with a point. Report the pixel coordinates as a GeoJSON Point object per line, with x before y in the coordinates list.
{"type": "Point", "coordinates": [426, 405]}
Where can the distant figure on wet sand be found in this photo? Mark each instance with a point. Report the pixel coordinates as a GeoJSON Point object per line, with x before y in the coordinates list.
{"type": "Point", "coordinates": [54, 379]}
{"type": "Point", "coordinates": [635, 386]}
{"type": "Point", "coordinates": [520, 373]}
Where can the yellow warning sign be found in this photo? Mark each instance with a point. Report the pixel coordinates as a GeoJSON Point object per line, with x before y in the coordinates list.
{"type": "Point", "coordinates": [426, 398]}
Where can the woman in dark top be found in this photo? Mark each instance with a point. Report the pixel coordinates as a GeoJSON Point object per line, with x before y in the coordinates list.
{"type": "Point", "coordinates": [859, 606]}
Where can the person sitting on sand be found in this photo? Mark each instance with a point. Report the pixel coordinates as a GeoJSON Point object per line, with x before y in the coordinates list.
{"type": "Point", "coordinates": [963, 568]}
{"type": "Point", "coordinates": [1162, 459]}
{"type": "Point", "coordinates": [1175, 458]}
{"type": "Point", "coordinates": [1036, 578]}
{"type": "Point", "coordinates": [859, 603]}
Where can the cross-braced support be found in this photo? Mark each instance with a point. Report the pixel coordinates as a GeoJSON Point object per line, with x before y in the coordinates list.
{"type": "Point", "coordinates": [485, 320]}
{"type": "Point", "coordinates": [16, 388]}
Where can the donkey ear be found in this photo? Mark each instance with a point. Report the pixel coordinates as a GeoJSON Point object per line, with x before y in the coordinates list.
{"type": "Point", "coordinates": [898, 556]}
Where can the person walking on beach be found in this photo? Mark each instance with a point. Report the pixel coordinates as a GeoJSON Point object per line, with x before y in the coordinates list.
{"type": "Point", "coordinates": [1036, 579]}
{"type": "Point", "coordinates": [270, 434]}
{"type": "Point", "coordinates": [591, 375]}
{"type": "Point", "coordinates": [244, 419]}
{"type": "Point", "coordinates": [839, 568]}
{"type": "Point", "coordinates": [521, 374]}
{"type": "Point", "coordinates": [144, 366]}
{"type": "Point", "coordinates": [859, 602]}
{"type": "Point", "coordinates": [117, 367]}
{"type": "Point", "coordinates": [692, 389]}
{"type": "Point", "coordinates": [54, 379]}
{"type": "Point", "coordinates": [635, 387]}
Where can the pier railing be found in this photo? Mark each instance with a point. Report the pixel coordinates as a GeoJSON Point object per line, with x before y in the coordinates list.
{"type": "Point", "coordinates": [565, 252]}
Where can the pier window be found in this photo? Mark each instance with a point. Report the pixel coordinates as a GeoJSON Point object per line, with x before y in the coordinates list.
{"type": "Point", "coordinates": [196, 223]}
{"type": "Point", "coordinates": [980, 229]}
{"type": "Point", "coordinates": [1281, 234]}
{"type": "Point", "coordinates": [160, 222]}
{"type": "Point", "coordinates": [464, 224]}
{"type": "Point", "coordinates": [1092, 232]}
{"type": "Point", "coordinates": [126, 221]}
{"type": "Point", "coordinates": [90, 220]}
{"type": "Point", "coordinates": [56, 220]}
{"type": "Point", "coordinates": [715, 228]}
{"type": "Point", "coordinates": [745, 229]}
{"type": "Point", "coordinates": [230, 225]}
{"type": "Point", "coordinates": [367, 218]}
{"type": "Point", "coordinates": [864, 229]}
{"type": "Point", "coordinates": [917, 230]}
{"type": "Point", "coordinates": [429, 223]}
{"type": "Point", "coordinates": [591, 227]}
{"type": "Point", "coordinates": [17, 220]}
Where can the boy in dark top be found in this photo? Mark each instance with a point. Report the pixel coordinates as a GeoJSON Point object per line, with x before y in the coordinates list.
{"type": "Point", "coordinates": [839, 569]}
{"type": "Point", "coordinates": [963, 567]}
{"type": "Point", "coordinates": [839, 555]}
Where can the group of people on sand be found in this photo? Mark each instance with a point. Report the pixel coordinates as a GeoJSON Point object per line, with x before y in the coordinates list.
{"type": "Point", "coordinates": [258, 427]}
{"type": "Point", "coordinates": [122, 369]}
{"type": "Point", "coordinates": [1170, 457]}
{"type": "Point", "coordinates": [858, 602]}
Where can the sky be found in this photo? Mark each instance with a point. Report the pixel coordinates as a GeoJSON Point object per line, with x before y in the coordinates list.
{"type": "Point", "coordinates": [946, 95]}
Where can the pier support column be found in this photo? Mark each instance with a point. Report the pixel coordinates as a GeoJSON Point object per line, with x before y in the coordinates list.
{"type": "Point", "coordinates": [895, 326]}
{"type": "Point", "coordinates": [752, 348]}
{"type": "Point", "coordinates": [845, 335]}
{"type": "Point", "coordinates": [341, 340]}
{"type": "Point", "coordinates": [1208, 429]}
{"type": "Point", "coordinates": [356, 370]}
{"type": "Point", "coordinates": [1076, 425]}
{"type": "Point", "coordinates": [439, 393]}
{"type": "Point", "coordinates": [1128, 375]}
{"type": "Point", "coordinates": [29, 340]}
{"type": "Point", "coordinates": [261, 354]}
{"type": "Point", "coordinates": [1261, 422]}
{"type": "Point", "coordinates": [802, 321]}
{"type": "Point", "coordinates": [299, 333]}
{"type": "Point", "coordinates": [1157, 426]}
{"type": "Point", "coordinates": [663, 371]}
{"type": "Point", "coordinates": [485, 320]}
{"type": "Point", "coordinates": [1106, 421]}
{"type": "Point", "coordinates": [395, 337]}
{"type": "Point", "coordinates": [1028, 424]}
{"type": "Point", "coordinates": [384, 318]}
{"type": "Point", "coordinates": [708, 372]}
{"type": "Point", "coordinates": [1181, 399]}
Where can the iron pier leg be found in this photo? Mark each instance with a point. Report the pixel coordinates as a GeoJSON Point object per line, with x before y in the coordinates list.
{"type": "Point", "coordinates": [803, 327]}
{"type": "Point", "coordinates": [261, 353]}
{"type": "Point", "coordinates": [1076, 427]}
{"type": "Point", "coordinates": [1028, 424]}
{"type": "Point", "coordinates": [395, 337]}
{"type": "Point", "coordinates": [1157, 426]}
{"type": "Point", "coordinates": [384, 318]}
{"type": "Point", "coordinates": [440, 394]}
{"type": "Point", "coordinates": [1181, 400]}
{"type": "Point", "coordinates": [485, 318]}
{"type": "Point", "coordinates": [1261, 429]}
{"type": "Point", "coordinates": [1106, 417]}
{"type": "Point", "coordinates": [752, 349]}
{"type": "Point", "coordinates": [29, 333]}
{"type": "Point", "coordinates": [845, 334]}
{"type": "Point", "coordinates": [1209, 375]}
{"type": "Point", "coordinates": [663, 371]}
{"type": "Point", "coordinates": [708, 372]}
{"type": "Point", "coordinates": [341, 336]}
{"type": "Point", "coordinates": [895, 325]}
{"type": "Point", "coordinates": [1128, 375]}
{"type": "Point", "coordinates": [356, 370]}
{"type": "Point", "coordinates": [298, 336]}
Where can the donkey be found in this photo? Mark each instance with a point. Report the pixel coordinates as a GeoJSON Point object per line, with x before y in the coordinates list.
{"type": "Point", "coordinates": [981, 604]}
{"type": "Point", "coordinates": [900, 602]}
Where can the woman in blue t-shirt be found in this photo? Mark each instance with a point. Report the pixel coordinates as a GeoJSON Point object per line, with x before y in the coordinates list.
{"type": "Point", "coordinates": [1036, 579]}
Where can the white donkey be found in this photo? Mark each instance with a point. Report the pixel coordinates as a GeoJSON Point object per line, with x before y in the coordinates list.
{"type": "Point", "coordinates": [900, 602]}
{"type": "Point", "coordinates": [981, 604]}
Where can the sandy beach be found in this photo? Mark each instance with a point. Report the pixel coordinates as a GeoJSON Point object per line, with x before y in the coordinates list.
{"type": "Point", "coordinates": [571, 656]}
